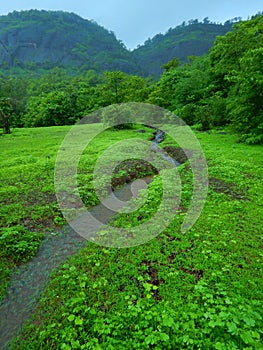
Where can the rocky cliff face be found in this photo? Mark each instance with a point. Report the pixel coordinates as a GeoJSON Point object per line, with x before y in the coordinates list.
{"type": "Point", "coordinates": [48, 39]}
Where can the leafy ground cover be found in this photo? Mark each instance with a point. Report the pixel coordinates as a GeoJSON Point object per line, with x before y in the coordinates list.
{"type": "Point", "coordinates": [27, 196]}
{"type": "Point", "coordinates": [29, 210]}
{"type": "Point", "coordinates": [197, 290]}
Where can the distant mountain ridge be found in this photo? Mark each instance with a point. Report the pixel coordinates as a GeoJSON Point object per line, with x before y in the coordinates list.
{"type": "Point", "coordinates": [193, 39]}
{"type": "Point", "coordinates": [41, 40]}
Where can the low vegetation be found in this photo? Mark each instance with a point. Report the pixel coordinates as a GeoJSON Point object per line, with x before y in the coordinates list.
{"type": "Point", "coordinates": [198, 290]}
{"type": "Point", "coordinates": [29, 208]}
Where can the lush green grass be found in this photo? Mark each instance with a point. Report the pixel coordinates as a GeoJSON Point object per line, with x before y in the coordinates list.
{"type": "Point", "coordinates": [198, 290]}
{"type": "Point", "coordinates": [28, 202]}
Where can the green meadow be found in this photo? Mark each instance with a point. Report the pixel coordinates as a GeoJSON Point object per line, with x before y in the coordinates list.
{"type": "Point", "coordinates": [201, 289]}
{"type": "Point", "coordinates": [29, 209]}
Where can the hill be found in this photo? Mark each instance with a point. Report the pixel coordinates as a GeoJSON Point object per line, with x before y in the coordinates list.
{"type": "Point", "coordinates": [194, 39]}
{"type": "Point", "coordinates": [37, 41]}
{"type": "Point", "coordinates": [34, 40]}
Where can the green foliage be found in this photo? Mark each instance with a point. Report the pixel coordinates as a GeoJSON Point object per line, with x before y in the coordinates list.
{"type": "Point", "coordinates": [120, 88]}
{"type": "Point", "coordinates": [12, 105]}
{"type": "Point", "coordinates": [222, 88]}
{"type": "Point", "coordinates": [211, 91]}
{"type": "Point", "coordinates": [66, 40]}
{"type": "Point", "coordinates": [228, 50]}
{"type": "Point", "coordinates": [59, 99]}
{"type": "Point", "coordinates": [59, 39]}
{"type": "Point", "coordinates": [237, 72]}
{"type": "Point", "coordinates": [183, 89]}
{"type": "Point", "coordinates": [5, 113]}
{"type": "Point", "coordinates": [174, 63]}
{"type": "Point", "coordinates": [19, 244]}
{"type": "Point", "coordinates": [121, 117]}
{"type": "Point", "coordinates": [28, 204]}
{"type": "Point", "coordinates": [54, 108]}
{"type": "Point", "coordinates": [194, 39]}
{"type": "Point", "coordinates": [187, 113]}
{"type": "Point", "coordinates": [246, 106]}
{"type": "Point", "coordinates": [114, 80]}
{"type": "Point", "coordinates": [200, 290]}
{"type": "Point", "coordinates": [28, 201]}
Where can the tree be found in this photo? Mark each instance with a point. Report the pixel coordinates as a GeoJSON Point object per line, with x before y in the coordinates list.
{"type": "Point", "coordinates": [114, 80]}
{"type": "Point", "coordinates": [120, 87]}
{"type": "Point", "coordinates": [174, 63]}
{"type": "Point", "coordinates": [5, 113]}
{"type": "Point", "coordinates": [206, 20]}
{"type": "Point", "coordinates": [229, 49]}
{"type": "Point", "coordinates": [134, 89]}
{"type": "Point", "coordinates": [119, 116]}
{"type": "Point", "coordinates": [54, 108]}
{"type": "Point", "coordinates": [236, 61]}
{"type": "Point", "coordinates": [163, 92]}
{"type": "Point", "coordinates": [182, 85]}
{"type": "Point", "coordinates": [14, 90]}
{"type": "Point", "coordinates": [246, 107]}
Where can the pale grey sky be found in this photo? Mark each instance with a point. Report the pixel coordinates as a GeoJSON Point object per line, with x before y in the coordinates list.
{"type": "Point", "coordinates": [134, 21]}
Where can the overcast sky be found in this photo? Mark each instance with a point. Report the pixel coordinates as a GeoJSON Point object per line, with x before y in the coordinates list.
{"type": "Point", "coordinates": [134, 21]}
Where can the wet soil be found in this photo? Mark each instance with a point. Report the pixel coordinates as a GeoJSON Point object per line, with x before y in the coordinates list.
{"type": "Point", "coordinates": [231, 190]}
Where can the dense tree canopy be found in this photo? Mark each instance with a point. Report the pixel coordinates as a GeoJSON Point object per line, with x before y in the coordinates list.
{"type": "Point", "coordinates": [236, 70]}
{"type": "Point", "coordinates": [224, 87]}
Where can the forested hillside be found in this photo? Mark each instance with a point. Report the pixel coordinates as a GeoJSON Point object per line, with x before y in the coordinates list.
{"type": "Point", "coordinates": [40, 40]}
{"type": "Point", "coordinates": [37, 41]}
{"type": "Point", "coordinates": [192, 39]}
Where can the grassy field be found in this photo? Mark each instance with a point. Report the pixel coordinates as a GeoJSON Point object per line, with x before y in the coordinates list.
{"type": "Point", "coordinates": [29, 209]}
{"type": "Point", "coordinates": [198, 290]}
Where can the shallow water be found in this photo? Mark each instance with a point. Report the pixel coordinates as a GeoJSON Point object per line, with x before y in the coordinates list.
{"type": "Point", "coordinates": [159, 137]}
{"type": "Point", "coordinates": [28, 280]}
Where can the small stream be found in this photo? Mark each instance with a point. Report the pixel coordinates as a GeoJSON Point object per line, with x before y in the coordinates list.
{"type": "Point", "coordinates": [28, 280]}
{"type": "Point", "coordinates": [159, 137]}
